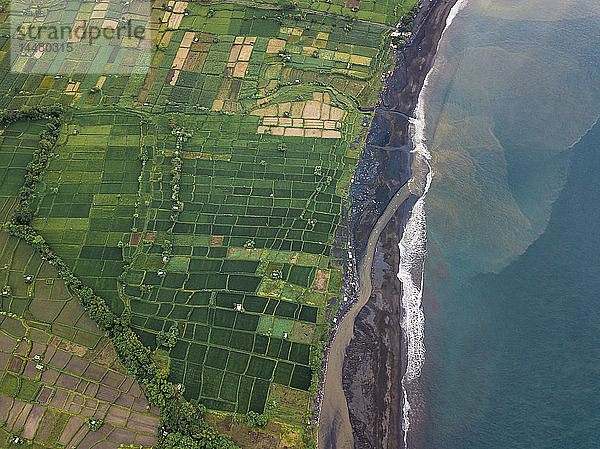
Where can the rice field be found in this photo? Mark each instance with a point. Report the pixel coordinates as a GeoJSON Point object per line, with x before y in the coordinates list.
{"type": "Point", "coordinates": [200, 196]}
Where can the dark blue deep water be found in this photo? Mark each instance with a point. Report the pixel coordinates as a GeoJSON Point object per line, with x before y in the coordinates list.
{"type": "Point", "coordinates": [512, 281]}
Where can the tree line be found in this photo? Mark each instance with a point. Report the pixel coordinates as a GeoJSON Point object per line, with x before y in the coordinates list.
{"type": "Point", "coordinates": [183, 425]}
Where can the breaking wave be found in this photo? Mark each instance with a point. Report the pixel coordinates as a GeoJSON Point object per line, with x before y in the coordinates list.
{"type": "Point", "coordinates": [413, 251]}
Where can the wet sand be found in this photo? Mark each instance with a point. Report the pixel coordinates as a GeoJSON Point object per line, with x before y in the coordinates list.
{"type": "Point", "coordinates": [362, 398]}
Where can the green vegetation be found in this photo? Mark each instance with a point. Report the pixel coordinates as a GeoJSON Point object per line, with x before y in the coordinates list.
{"type": "Point", "coordinates": [186, 220]}
{"type": "Point", "coordinates": [94, 423]}
{"type": "Point", "coordinates": [253, 419]}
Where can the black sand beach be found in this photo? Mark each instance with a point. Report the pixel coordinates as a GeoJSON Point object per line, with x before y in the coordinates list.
{"type": "Point", "coordinates": [374, 360]}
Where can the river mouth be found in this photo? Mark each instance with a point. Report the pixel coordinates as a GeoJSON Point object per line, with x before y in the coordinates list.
{"type": "Point", "coordinates": [340, 423]}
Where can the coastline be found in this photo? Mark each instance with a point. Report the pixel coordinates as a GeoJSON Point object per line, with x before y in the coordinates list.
{"type": "Point", "coordinates": [362, 396]}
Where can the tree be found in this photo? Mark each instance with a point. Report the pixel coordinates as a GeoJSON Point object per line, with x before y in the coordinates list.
{"type": "Point", "coordinates": [286, 4]}
{"type": "Point", "coordinates": [94, 423]}
{"type": "Point", "coordinates": [253, 419]}
{"type": "Point", "coordinates": [168, 339]}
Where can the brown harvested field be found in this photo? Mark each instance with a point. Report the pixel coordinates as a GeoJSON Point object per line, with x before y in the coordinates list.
{"type": "Point", "coordinates": [216, 240]}
{"type": "Point", "coordinates": [245, 437]}
{"type": "Point", "coordinates": [321, 280]}
{"type": "Point", "coordinates": [75, 386]}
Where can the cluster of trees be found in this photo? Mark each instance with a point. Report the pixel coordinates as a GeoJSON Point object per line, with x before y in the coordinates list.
{"type": "Point", "coordinates": [184, 425]}
{"type": "Point", "coordinates": [316, 363]}
{"type": "Point", "coordinates": [167, 250]}
{"type": "Point", "coordinates": [406, 22]}
{"type": "Point", "coordinates": [168, 338]}
{"type": "Point", "coordinates": [182, 136]}
{"type": "Point", "coordinates": [24, 210]}
{"type": "Point", "coordinates": [185, 428]}
{"type": "Point", "coordinates": [94, 423]}
{"type": "Point", "coordinates": [253, 419]}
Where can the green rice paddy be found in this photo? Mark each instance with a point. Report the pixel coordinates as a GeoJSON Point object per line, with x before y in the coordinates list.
{"type": "Point", "coordinates": [226, 237]}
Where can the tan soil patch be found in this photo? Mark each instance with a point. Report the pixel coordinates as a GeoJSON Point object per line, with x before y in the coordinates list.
{"type": "Point", "coordinates": [174, 77]}
{"type": "Point", "coordinates": [235, 52]}
{"type": "Point", "coordinates": [180, 7]}
{"type": "Point", "coordinates": [327, 134]}
{"type": "Point", "coordinates": [188, 38]}
{"type": "Point", "coordinates": [77, 31]}
{"type": "Point", "coordinates": [240, 69]}
{"type": "Point", "coordinates": [307, 116]}
{"type": "Point", "coordinates": [110, 24]}
{"type": "Point", "coordinates": [284, 108]}
{"type": "Point", "coordinates": [321, 280]}
{"type": "Point", "coordinates": [175, 21]}
{"type": "Point", "coordinates": [275, 45]}
{"type": "Point", "coordinates": [180, 57]}
{"type": "Point", "coordinates": [245, 53]}
{"type": "Point", "coordinates": [336, 114]}
{"type": "Point", "coordinates": [294, 132]}
{"type": "Point", "coordinates": [313, 123]}
{"type": "Point", "coordinates": [296, 111]}
{"type": "Point", "coordinates": [107, 356]}
{"type": "Point", "coordinates": [312, 110]}
{"type": "Point", "coordinates": [216, 240]}
{"type": "Point", "coordinates": [73, 348]}
{"type": "Point", "coordinates": [313, 133]}
{"type": "Point", "coordinates": [98, 15]}
{"type": "Point", "coordinates": [270, 121]}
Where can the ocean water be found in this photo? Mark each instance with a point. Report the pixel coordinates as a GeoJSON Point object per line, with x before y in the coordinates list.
{"type": "Point", "coordinates": [511, 293]}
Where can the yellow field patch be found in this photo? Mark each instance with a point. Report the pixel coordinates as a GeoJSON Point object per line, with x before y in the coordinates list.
{"type": "Point", "coordinates": [360, 60]}
{"type": "Point", "coordinates": [175, 21]}
{"type": "Point", "coordinates": [245, 53]}
{"type": "Point", "coordinates": [275, 45]}
{"type": "Point", "coordinates": [174, 79]}
{"type": "Point", "coordinates": [101, 82]}
{"type": "Point", "coordinates": [180, 58]}
{"type": "Point", "coordinates": [180, 7]}
{"type": "Point", "coordinates": [308, 118]}
{"type": "Point", "coordinates": [240, 69]}
{"type": "Point", "coordinates": [341, 57]}
{"type": "Point", "coordinates": [188, 38]}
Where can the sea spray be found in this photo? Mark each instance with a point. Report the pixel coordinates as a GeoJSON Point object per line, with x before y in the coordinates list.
{"type": "Point", "coordinates": [412, 257]}
{"type": "Point", "coordinates": [412, 248]}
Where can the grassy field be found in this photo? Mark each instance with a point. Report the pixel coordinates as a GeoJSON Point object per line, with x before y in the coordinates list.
{"type": "Point", "coordinates": [199, 196]}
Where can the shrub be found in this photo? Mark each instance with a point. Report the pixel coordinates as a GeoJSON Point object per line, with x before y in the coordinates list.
{"type": "Point", "coordinates": [94, 423]}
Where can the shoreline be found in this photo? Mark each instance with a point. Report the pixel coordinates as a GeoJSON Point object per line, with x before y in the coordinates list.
{"type": "Point", "coordinates": [362, 394]}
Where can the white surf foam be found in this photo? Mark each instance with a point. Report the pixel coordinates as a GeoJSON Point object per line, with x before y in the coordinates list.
{"type": "Point", "coordinates": [413, 251]}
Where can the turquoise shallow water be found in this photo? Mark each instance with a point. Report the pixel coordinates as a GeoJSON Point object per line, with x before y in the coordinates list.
{"type": "Point", "coordinates": [512, 309]}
